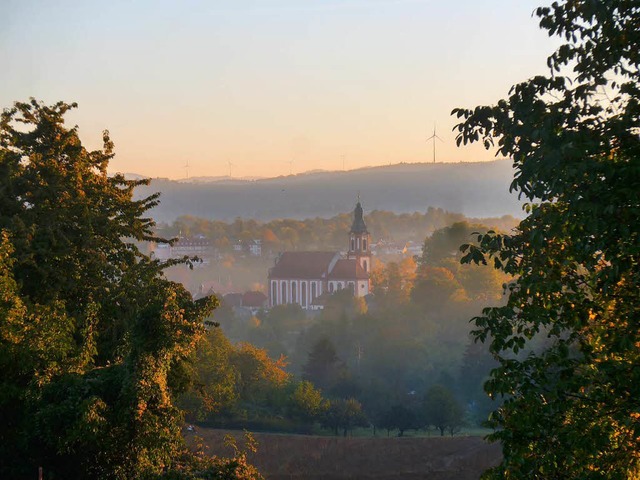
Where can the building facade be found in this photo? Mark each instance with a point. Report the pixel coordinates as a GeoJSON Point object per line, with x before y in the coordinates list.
{"type": "Point", "coordinates": [186, 247]}
{"type": "Point", "coordinates": [302, 277]}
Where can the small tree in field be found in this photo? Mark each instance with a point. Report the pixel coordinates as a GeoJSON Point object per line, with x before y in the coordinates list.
{"type": "Point", "coordinates": [344, 415]}
{"type": "Point", "coordinates": [442, 410]}
{"type": "Point", "coordinates": [399, 417]}
{"type": "Point", "coordinates": [306, 403]}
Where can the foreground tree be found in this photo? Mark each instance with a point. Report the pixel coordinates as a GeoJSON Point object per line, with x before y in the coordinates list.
{"type": "Point", "coordinates": [572, 408]}
{"type": "Point", "coordinates": [90, 330]}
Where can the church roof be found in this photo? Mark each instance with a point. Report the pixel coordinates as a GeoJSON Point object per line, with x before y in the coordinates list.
{"type": "Point", "coordinates": [358, 225]}
{"type": "Point", "coordinates": [312, 265]}
{"type": "Point", "coordinates": [348, 269]}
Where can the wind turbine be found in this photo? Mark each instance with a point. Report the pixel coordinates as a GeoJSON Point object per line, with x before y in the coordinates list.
{"type": "Point", "coordinates": [230, 165]}
{"type": "Point", "coordinates": [433, 137]}
{"type": "Point", "coordinates": [186, 167]}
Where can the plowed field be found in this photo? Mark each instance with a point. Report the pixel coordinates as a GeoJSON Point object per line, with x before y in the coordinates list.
{"type": "Point", "coordinates": [314, 457]}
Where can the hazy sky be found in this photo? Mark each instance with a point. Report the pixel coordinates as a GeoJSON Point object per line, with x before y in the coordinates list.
{"type": "Point", "coordinates": [272, 86]}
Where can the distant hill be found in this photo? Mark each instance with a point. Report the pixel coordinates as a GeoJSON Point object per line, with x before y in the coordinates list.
{"type": "Point", "coordinates": [474, 189]}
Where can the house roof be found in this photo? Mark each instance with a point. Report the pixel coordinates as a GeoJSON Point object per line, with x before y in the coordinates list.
{"type": "Point", "coordinates": [254, 299]}
{"type": "Point", "coordinates": [213, 286]}
{"type": "Point", "coordinates": [348, 269]}
{"type": "Point", "coordinates": [303, 265]}
{"type": "Point", "coordinates": [233, 299]}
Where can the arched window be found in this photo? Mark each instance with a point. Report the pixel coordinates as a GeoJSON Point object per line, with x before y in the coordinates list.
{"type": "Point", "coordinates": [351, 286]}
{"type": "Point", "coordinates": [274, 293]}
{"type": "Point", "coordinates": [365, 266]}
{"type": "Point", "coordinates": [313, 291]}
{"type": "Point", "coordinates": [294, 296]}
{"type": "Point", "coordinates": [353, 244]}
{"type": "Point", "coordinates": [303, 294]}
{"type": "Point", "coordinates": [364, 244]}
{"type": "Point", "coordinates": [330, 287]}
{"type": "Point", "coordinates": [283, 287]}
{"type": "Point", "coordinates": [358, 243]}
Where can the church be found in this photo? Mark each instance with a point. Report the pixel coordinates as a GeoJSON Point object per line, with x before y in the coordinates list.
{"type": "Point", "coordinates": [302, 277]}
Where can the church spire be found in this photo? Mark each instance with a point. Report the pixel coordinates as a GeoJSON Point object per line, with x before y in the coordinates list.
{"type": "Point", "coordinates": [358, 225]}
{"type": "Point", "coordinates": [359, 241]}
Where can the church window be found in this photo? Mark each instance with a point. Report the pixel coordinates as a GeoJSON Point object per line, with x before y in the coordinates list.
{"type": "Point", "coordinates": [303, 294]}
{"type": "Point", "coordinates": [274, 293]}
{"type": "Point", "coordinates": [353, 244]}
{"type": "Point", "coordinates": [365, 266]}
{"type": "Point", "coordinates": [313, 291]}
{"type": "Point", "coordinates": [330, 287]}
{"type": "Point", "coordinates": [283, 286]}
{"type": "Point", "coordinates": [294, 296]}
{"type": "Point", "coordinates": [364, 244]}
{"type": "Point", "coordinates": [352, 287]}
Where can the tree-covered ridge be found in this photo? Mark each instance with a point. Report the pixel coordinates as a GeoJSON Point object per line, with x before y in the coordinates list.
{"type": "Point", "coordinates": [324, 233]}
{"type": "Point", "coordinates": [477, 189]}
{"type": "Point", "coordinates": [571, 408]}
{"type": "Point", "coordinates": [92, 335]}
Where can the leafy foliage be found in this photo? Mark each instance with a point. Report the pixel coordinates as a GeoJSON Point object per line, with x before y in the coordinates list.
{"type": "Point", "coordinates": [307, 403]}
{"type": "Point", "coordinates": [200, 466]}
{"type": "Point", "coordinates": [323, 366]}
{"type": "Point", "coordinates": [442, 410]}
{"type": "Point", "coordinates": [568, 341]}
{"type": "Point", "coordinates": [398, 417]}
{"type": "Point", "coordinates": [89, 328]}
{"type": "Point", "coordinates": [345, 415]}
{"type": "Point", "coordinates": [240, 386]}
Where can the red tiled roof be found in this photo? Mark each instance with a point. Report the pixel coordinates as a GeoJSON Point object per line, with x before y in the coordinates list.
{"type": "Point", "coordinates": [233, 299]}
{"type": "Point", "coordinates": [254, 299]}
{"type": "Point", "coordinates": [302, 265]}
{"type": "Point", "coordinates": [347, 269]}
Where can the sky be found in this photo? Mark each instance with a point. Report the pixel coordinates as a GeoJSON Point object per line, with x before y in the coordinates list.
{"type": "Point", "coordinates": [260, 88]}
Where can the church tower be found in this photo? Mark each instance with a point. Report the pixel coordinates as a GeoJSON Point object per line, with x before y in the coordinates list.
{"type": "Point", "coordinates": [359, 240]}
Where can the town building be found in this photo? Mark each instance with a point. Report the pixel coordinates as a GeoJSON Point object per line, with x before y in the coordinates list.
{"type": "Point", "coordinates": [252, 247]}
{"type": "Point", "coordinates": [198, 246]}
{"type": "Point", "coordinates": [251, 301]}
{"type": "Point", "coordinates": [302, 277]}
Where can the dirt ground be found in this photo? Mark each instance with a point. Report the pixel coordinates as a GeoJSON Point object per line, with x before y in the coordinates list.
{"type": "Point", "coordinates": [312, 457]}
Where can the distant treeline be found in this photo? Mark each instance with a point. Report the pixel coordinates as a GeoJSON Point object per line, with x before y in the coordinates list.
{"type": "Point", "coordinates": [323, 233]}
